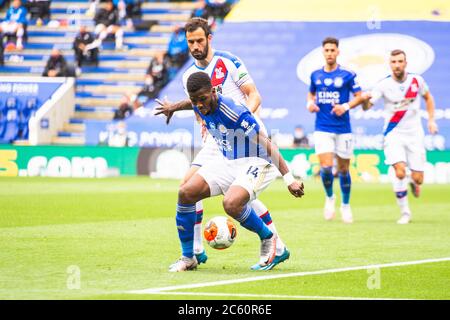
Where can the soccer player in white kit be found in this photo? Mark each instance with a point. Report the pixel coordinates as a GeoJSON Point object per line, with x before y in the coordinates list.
{"type": "Point", "coordinates": [229, 77]}
{"type": "Point", "coordinates": [403, 132]}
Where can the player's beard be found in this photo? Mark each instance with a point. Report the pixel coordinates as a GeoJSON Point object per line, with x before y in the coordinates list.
{"type": "Point", "coordinates": [399, 75]}
{"type": "Point", "coordinates": [201, 55]}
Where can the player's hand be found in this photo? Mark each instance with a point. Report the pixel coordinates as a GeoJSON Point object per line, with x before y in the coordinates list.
{"type": "Point", "coordinates": [432, 127]}
{"type": "Point", "coordinates": [165, 107]}
{"type": "Point", "coordinates": [297, 189]}
{"type": "Point", "coordinates": [366, 95]}
{"type": "Point", "coordinates": [312, 107]}
{"type": "Point", "coordinates": [339, 109]}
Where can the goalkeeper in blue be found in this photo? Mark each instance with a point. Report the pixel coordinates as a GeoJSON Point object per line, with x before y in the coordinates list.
{"type": "Point", "coordinates": [250, 163]}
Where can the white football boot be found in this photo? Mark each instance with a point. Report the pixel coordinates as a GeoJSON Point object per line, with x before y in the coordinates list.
{"type": "Point", "coordinates": [329, 210]}
{"type": "Point", "coordinates": [346, 213]}
{"type": "Point", "coordinates": [184, 264]}
{"type": "Point", "coordinates": [405, 218]}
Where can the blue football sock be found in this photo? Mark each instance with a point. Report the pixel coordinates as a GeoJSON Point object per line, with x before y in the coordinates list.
{"type": "Point", "coordinates": [250, 221]}
{"type": "Point", "coordinates": [346, 183]}
{"type": "Point", "coordinates": [186, 217]}
{"type": "Point", "coordinates": [326, 174]}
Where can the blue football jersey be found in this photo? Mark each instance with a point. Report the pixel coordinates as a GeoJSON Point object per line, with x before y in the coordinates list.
{"type": "Point", "coordinates": [234, 128]}
{"type": "Point", "coordinates": [333, 88]}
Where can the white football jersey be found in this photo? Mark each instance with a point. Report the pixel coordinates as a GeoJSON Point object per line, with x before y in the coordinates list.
{"type": "Point", "coordinates": [227, 73]}
{"type": "Point", "coordinates": [401, 103]}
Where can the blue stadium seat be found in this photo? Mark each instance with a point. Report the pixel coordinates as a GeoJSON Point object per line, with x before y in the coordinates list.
{"type": "Point", "coordinates": [11, 129]}
{"type": "Point", "coordinates": [26, 112]}
{"type": "Point", "coordinates": [2, 121]}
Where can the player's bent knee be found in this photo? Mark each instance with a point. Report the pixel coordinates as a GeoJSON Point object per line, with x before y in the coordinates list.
{"type": "Point", "coordinates": [327, 169]}
{"type": "Point", "coordinates": [187, 195]}
{"type": "Point", "coordinates": [417, 178]}
{"type": "Point", "coordinates": [400, 173]}
{"type": "Point", "coordinates": [232, 207]}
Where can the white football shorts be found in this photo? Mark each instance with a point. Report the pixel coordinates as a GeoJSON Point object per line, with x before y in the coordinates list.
{"type": "Point", "coordinates": [253, 174]}
{"type": "Point", "coordinates": [340, 144]}
{"type": "Point", "coordinates": [405, 148]}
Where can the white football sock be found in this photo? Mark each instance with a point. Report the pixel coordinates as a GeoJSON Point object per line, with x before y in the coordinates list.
{"type": "Point", "coordinates": [261, 210]}
{"type": "Point", "coordinates": [198, 239]}
{"type": "Point", "coordinates": [401, 185]}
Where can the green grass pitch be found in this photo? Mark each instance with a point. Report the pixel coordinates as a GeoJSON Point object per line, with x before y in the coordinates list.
{"type": "Point", "coordinates": [101, 238]}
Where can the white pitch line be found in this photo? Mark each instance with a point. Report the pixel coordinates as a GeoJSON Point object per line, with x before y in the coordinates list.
{"type": "Point", "coordinates": [286, 275]}
{"type": "Point", "coordinates": [273, 296]}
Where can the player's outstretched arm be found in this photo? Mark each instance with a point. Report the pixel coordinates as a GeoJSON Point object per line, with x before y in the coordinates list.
{"type": "Point", "coordinates": [296, 188]}
{"type": "Point", "coordinates": [432, 125]}
{"type": "Point", "coordinates": [168, 108]}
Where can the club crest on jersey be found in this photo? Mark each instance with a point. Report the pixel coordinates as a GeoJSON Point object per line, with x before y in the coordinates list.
{"type": "Point", "coordinates": [413, 89]}
{"type": "Point", "coordinates": [222, 129]}
{"type": "Point", "coordinates": [328, 81]}
{"type": "Point", "coordinates": [338, 82]}
{"type": "Point", "coordinates": [219, 74]}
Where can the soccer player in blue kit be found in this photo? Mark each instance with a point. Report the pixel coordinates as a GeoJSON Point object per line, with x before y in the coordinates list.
{"type": "Point", "coordinates": [249, 164]}
{"type": "Point", "coordinates": [329, 98]}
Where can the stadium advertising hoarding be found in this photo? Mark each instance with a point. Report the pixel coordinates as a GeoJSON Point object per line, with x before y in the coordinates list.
{"type": "Point", "coordinates": [103, 161]}
{"type": "Point", "coordinates": [25, 89]}
{"type": "Point", "coordinates": [54, 161]}
{"type": "Point", "coordinates": [146, 130]}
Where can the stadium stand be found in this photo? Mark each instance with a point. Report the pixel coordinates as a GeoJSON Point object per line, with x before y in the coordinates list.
{"type": "Point", "coordinates": [99, 88]}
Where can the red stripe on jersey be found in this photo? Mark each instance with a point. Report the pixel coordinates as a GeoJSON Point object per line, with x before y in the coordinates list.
{"type": "Point", "coordinates": [397, 116]}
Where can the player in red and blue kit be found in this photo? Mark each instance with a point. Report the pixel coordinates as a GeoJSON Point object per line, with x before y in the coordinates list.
{"type": "Point", "coordinates": [329, 98]}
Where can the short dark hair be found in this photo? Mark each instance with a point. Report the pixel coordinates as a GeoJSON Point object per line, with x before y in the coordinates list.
{"type": "Point", "coordinates": [198, 81]}
{"type": "Point", "coordinates": [396, 52]}
{"type": "Point", "coordinates": [330, 40]}
{"type": "Point", "coordinates": [195, 23]}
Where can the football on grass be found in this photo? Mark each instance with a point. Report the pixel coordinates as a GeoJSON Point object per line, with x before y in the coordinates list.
{"type": "Point", "coordinates": [220, 232]}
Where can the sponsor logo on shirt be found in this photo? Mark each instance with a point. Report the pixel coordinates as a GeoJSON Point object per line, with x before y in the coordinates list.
{"type": "Point", "coordinates": [223, 144]}
{"type": "Point", "coordinates": [241, 75]}
{"type": "Point", "coordinates": [328, 97]}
